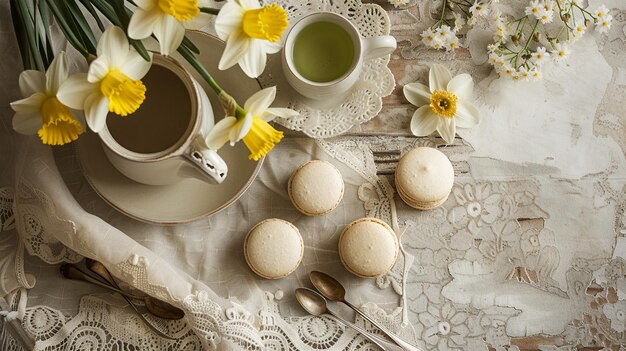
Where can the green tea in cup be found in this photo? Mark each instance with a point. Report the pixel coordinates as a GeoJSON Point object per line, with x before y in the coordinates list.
{"type": "Point", "coordinates": [323, 52]}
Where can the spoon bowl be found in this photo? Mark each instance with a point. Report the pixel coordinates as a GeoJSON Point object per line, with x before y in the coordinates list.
{"type": "Point", "coordinates": [311, 301]}
{"type": "Point", "coordinates": [328, 286]}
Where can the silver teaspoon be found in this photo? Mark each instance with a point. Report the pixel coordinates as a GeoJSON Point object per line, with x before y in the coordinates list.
{"type": "Point", "coordinates": [331, 289]}
{"type": "Point", "coordinates": [315, 304]}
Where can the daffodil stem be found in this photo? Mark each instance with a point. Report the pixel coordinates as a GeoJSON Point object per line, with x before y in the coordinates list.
{"type": "Point", "coordinates": [190, 57]}
{"type": "Point", "coordinates": [210, 10]}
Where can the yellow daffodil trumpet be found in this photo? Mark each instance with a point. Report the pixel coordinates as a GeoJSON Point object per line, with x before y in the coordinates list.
{"type": "Point", "coordinates": [40, 112]}
{"type": "Point", "coordinates": [253, 127]}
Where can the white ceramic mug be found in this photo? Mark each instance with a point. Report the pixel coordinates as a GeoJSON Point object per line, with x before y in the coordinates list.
{"type": "Point", "coordinates": [364, 48]}
{"type": "Point", "coordinates": [189, 157]}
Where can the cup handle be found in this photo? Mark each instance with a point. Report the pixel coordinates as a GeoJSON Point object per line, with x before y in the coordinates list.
{"type": "Point", "coordinates": [375, 47]}
{"type": "Point", "coordinates": [207, 161]}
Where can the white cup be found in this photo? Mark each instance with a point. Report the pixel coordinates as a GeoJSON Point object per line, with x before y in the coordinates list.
{"type": "Point", "coordinates": [189, 157]}
{"type": "Point", "coordinates": [364, 48]}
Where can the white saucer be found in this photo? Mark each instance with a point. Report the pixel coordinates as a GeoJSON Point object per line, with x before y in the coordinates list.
{"type": "Point", "coordinates": [190, 199]}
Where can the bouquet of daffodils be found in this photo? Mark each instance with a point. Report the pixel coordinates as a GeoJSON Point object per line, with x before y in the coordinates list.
{"type": "Point", "coordinates": [542, 30]}
{"type": "Point", "coordinates": [58, 106]}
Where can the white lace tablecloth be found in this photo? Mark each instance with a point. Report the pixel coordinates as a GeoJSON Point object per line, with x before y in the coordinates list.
{"type": "Point", "coordinates": [527, 253]}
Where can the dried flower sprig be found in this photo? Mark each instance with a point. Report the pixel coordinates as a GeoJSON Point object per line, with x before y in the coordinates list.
{"type": "Point", "coordinates": [521, 45]}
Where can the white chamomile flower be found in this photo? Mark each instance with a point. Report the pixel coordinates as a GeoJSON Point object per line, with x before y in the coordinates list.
{"type": "Point", "coordinates": [112, 83]}
{"type": "Point", "coordinates": [545, 16]}
{"type": "Point", "coordinates": [523, 73]}
{"type": "Point", "coordinates": [604, 24]}
{"type": "Point", "coordinates": [492, 47]}
{"type": "Point", "coordinates": [452, 43]}
{"type": "Point", "coordinates": [535, 74]}
{"type": "Point", "coordinates": [40, 111]}
{"type": "Point", "coordinates": [250, 32]}
{"type": "Point", "coordinates": [444, 105]}
{"type": "Point", "coordinates": [560, 52]}
{"type": "Point", "coordinates": [579, 31]}
{"type": "Point", "coordinates": [540, 55]}
{"type": "Point", "coordinates": [428, 37]}
{"type": "Point", "coordinates": [478, 9]}
{"type": "Point", "coordinates": [167, 20]}
{"type": "Point", "coordinates": [255, 131]}
{"type": "Point", "coordinates": [533, 9]}
{"type": "Point", "coordinates": [444, 33]}
{"type": "Point", "coordinates": [601, 11]}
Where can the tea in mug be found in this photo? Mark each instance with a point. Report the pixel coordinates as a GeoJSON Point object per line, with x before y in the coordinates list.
{"type": "Point", "coordinates": [161, 121]}
{"type": "Point", "coordinates": [323, 52]}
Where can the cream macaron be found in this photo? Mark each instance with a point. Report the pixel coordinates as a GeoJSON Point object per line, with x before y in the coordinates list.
{"type": "Point", "coordinates": [368, 247]}
{"type": "Point", "coordinates": [316, 188]}
{"type": "Point", "coordinates": [273, 248]}
{"type": "Point", "coordinates": [424, 178]}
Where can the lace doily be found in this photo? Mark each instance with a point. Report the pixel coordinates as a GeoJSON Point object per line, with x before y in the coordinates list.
{"type": "Point", "coordinates": [375, 82]}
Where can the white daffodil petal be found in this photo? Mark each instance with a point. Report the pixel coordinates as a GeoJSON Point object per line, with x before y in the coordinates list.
{"type": "Point", "coordinates": [467, 115]}
{"type": "Point", "coordinates": [274, 112]}
{"type": "Point", "coordinates": [219, 134]}
{"type": "Point", "coordinates": [272, 48]}
{"type": "Point", "coordinates": [98, 69]}
{"type": "Point", "coordinates": [56, 73]}
{"type": "Point", "coordinates": [417, 93]}
{"type": "Point", "coordinates": [142, 23]}
{"type": "Point", "coordinates": [260, 101]}
{"type": "Point", "coordinates": [438, 77]}
{"type": "Point", "coordinates": [32, 81]}
{"type": "Point", "coordinates": [170, 34]}
{"type": "Point", "coordinates": [75, 90]}
{"type": "Point", "coordinates": [228, 20]}
{"type": "Point", "coordinates": [249, 4]}
{"type": "Point", "coordinates": [253, 61]}
{"type": "Point", "coordinates": [447, 129]}
{"type": "Point", "coordinates": [31, 104]}
{"type": "Point", "coordinates": [424, 121]}
{"type": "Point", "coordinates": [114, 45]}
{"type": "Point", "coordinates": [236, 47]}
{"type": "Point", "coordinates": [135, 67]}
{"type": "Point", "coordinates": [147, 4]}
{"type": "Point", "coordinates": [241, 129]}
{"type": "Point", "coordinates": [27, 123]}
{"type": "Point", "coordinates": [96, 111]}
{"type": "Point", "coordinates": [461, 85]}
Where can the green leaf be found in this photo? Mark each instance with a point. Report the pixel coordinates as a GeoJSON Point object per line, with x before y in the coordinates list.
{"type": "Point", "coordinates": [43, 12]}
{"type": "Point", "coordinates": [138, 45]}
{"type": "Point", "coordinates": [66, 28]}
{"type": "Point", "coordinates": [92, 11]}
{"type": "Point", "coordinates": [20, 35]}
{"type": "Point", "coordinates": [190, 45]}
{"type": "Point", "coordinates": [82, 26]}
{"type": "Point", "coordinates": [29, 30]}
{"type": "Point", "coordinates": [107, 10]}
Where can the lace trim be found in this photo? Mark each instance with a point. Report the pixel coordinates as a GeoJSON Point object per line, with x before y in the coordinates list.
{"type": "Point", "coordinates": [35, 218]}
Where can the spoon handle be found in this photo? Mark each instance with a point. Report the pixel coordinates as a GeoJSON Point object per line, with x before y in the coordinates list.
{"type": "Point", "coordinates": [384, 345]}
{"type": "Point", "coordinates": [403, 344]}
{"type": "Point", "coordinates": [72, 272]}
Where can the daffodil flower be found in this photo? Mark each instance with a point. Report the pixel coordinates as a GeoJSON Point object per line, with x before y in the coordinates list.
{"type": "Point", "coordinates": [40, 111]}
{"type": "Point", "coordinates": [444, 105]}
{"type": "Point", "coordinates": [167, 20]}
{"type": "Point", "coordinates": [112, 83]}
{"type": "Point", "coordinates": [250, 32]}
{"type": "Point", "coordinates": [257, 134]}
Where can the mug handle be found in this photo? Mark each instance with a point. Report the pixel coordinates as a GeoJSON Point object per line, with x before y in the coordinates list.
{"type": "Point", "coordinates": [207, 161]}
{"type": "Point", "coordinates": [375, 47]}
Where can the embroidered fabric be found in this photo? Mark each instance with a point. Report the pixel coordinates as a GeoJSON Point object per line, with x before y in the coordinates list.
{"type": "Point", "coordinates": [364, 101]}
